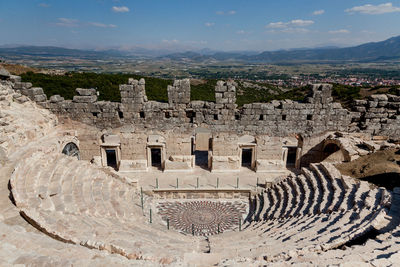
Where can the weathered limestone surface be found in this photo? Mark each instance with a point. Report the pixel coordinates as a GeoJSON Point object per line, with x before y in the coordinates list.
{"type": "Point", "coordinates": [21, 121]}
{"type": "Point", "coordinates": [179, 93]}
{"type": "Point", "coordinates": [89, 216]}
{"type": "Point", "coordinates": [4, 73]}
{"type": "Point", "coordinates": [379, 115]}
{"type": "Point", "coordinates": [136, 117]}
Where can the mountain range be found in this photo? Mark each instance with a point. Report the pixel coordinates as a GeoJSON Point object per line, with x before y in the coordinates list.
{"type": "Point", "coordinates": [369, 52]}
{"type": "Point", "coordinates": [388, 50]}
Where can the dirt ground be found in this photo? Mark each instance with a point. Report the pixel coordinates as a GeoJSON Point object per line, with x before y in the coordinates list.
{"type": "Point", "coordinates": [381, 168]}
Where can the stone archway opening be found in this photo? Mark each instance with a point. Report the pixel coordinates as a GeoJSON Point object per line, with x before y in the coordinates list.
{"type": "Point", "coordinates": [332, 153]}
{"type": "Point", "coordinates": [72, 150]}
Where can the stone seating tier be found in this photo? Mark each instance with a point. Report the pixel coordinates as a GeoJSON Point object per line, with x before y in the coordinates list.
{"type": "Point", "coordinates": [76, 203]}
{"type": "Point", "coordinates": [81, 205]}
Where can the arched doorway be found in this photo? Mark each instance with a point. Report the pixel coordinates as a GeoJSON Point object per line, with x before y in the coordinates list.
{"type": "Point", "coordinates": [72, 150]}
{"type": "Point", "coordinates": [332, 153]}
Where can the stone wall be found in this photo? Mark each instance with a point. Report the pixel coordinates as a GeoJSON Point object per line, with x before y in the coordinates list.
{"type": "Point", "coordinates": [225, 152]}
{"type": "Point", "coordinates": [277, 118]}
{"type": "Point", "coordinates": [379, 115]}
{"type": "Point", "coordinates": [274, 126]}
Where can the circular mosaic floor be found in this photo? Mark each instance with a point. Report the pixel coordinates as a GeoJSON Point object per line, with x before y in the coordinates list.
{"type": "Point", "coordinates": [202, 217]}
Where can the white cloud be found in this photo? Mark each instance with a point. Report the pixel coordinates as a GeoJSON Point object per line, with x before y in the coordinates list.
{"type": "Point", "coordinates": [102, 25]}
{"type": "Point", "coordinates": [293, 26]}
{"type": "Point", "coordinates": [290, 24]}
{"type": "Point", "coordinates": [65, 22]}
{"type": "Point", "coordinates": [339, 31]}
{"type": "Point", "coordinates": [374, 9]}
{"type": "Point", "coordinates": [318, 12]}
{"type": "Point", "coordinates": [276, 25]}
{"type": "Point", "coordinates": [44, 5]}
{"type": "Point", "coordinates": [230, 12]}
{"type": "Point", "coordinates": [301, 23]}
{"type": "Point", "coordinates": [209, 24]}
{"type": "Point", "coordinates": [120, 9]}
{"type": "Point", "coordinates": [73, 23]}
{"type": "Point", "coordinates": [241, 32]}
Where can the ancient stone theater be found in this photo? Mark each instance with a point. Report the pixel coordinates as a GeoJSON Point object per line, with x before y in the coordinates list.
{"type": "Point", "coordinates": [194, 183]}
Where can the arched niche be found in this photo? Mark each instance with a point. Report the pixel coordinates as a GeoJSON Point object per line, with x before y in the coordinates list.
{"type": "Point", "coordinates": [72, 150]}
{"type": "Point", "coordinates": [332, 151]}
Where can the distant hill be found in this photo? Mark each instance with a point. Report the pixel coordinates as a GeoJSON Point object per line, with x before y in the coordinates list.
{"type": "Point", "coordinates": [369, 52]}
{"type": "Point", "coordinates": [52, 51]}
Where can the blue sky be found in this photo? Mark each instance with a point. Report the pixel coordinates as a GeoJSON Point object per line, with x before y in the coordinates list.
{"type": "Point", "coordinates": [183, 24]}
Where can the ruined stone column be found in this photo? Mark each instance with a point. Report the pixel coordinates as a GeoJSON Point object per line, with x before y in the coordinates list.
{"type": "Point", "coordinates": [133, 97]}
{"type": "Point", "coordinates": [179, 93]}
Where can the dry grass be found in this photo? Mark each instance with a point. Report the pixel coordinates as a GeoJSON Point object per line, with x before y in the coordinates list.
{"type": "Point", "coordinates": [18, 69]}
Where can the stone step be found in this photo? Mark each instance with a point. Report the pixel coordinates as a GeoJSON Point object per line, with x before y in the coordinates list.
{"type": "Point", "coordinates": [319, 198]}
{"type": "Point", "coordinates": [328, 189]}
{"type": "Point", "coordinates": [47, 174]}
{"type": "Point", "coordinates": [267, 203]}
{"type": "Point", "coordinates": [308, 192]}
{"type": "Point", "coordinates": [296, 199]}
{"type": "Point", "coordinates": [290, 206]}
{"type": "Point", "coordinates": [272, 202]}
{"type": "Point", "coordinates": [279, 202]}
{"type": "Point", "coordinates": [282, 201]}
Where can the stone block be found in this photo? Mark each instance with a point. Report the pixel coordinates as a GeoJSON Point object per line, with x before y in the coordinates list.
{"type": "Point", "coordinates": [126, 87]}
{"type": "Point", "coordinates": [272, 166]}
{"type": "Point", "coordinates": [380, 97]}
{"type": "Point", "coordinates": [133, 165]}
{"type": "Point", "coordinates": [40, 98]}
{"type": "Point", "coordinates": [372, 104]}
{"type": "Point", "coordinates": [360, 109]}
{"type": "Point", "coordinates": [56, 98]}
{"type": "Point", "coordinates": [4, 73]}
{"type": "Point", "coordinates": [231, 106]}
{"type": "Point", "coordinates": [111, 139]}
{"type": "Point", "coordinates": [132, 81]}
{"type": "Point", "coordinates": [15, 78]}
{"type": "Point", "coordinates": [85, 99]}
{"type": "Point", "coordinates": [393, 98]}
{"type": "Point", "coordinates": [36, 91]}
{"type": "Point", "coordinates": [359, 102]}
{"type": "Point", "coordinates": [85, 92]}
